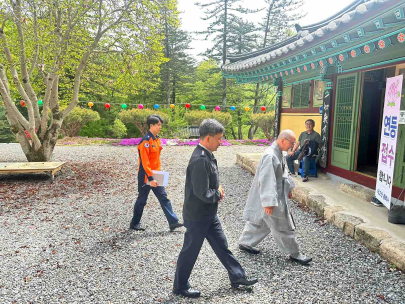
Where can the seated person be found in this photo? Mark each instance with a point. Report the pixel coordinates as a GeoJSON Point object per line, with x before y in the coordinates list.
{"type": "Point", "coordinates": [309, 135]}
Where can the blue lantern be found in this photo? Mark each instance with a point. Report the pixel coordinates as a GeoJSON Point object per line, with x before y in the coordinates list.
{"type": "Point", "coordinates": [156, 106]}
{"type": "Point", "coordinates": [233, 108]}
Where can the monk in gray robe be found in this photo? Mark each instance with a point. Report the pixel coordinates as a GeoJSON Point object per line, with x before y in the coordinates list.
{"type": "Point", "coordinates": [266, 208]}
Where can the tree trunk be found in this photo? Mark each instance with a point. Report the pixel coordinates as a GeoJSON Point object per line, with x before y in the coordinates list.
{"type": "Point", "coordinates": [233, 133]}
{"type": "Point", "coordinates": [224, 54]}
{"type": "Point", "coordinates": [174, 90]}
{"type": "Point", "coordinates": [240, 134]}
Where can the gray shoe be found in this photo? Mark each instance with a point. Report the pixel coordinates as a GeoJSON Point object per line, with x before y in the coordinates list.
{"type": "Point", "coordinates": [301, 259]}
{"type": "Point", "coordinates": [249, 249]}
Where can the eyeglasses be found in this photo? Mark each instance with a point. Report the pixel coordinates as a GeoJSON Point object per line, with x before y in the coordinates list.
{"type": "Point", "coordinates": [293, 143]}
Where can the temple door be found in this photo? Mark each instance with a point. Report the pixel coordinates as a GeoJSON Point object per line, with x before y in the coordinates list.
{"type": "Point", "coordinates": [345, 120]}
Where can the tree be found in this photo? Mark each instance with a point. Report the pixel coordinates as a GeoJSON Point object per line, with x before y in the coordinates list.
{"type": "Point", "coordinates": [221, 11]}
{"type": "Point", "coordinates": [5, 134]}
{"type": "Point", "coordinates": [276, 26]}
{"type": "Point", "coordinates": [46, 44]}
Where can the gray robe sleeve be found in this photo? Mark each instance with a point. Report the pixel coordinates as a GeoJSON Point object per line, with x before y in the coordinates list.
{"type": "Point", "coordinates": [268, 183]}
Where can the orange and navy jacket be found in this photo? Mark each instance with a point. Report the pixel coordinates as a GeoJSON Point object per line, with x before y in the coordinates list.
{"type": "Point", "coordinates": [149, 157]}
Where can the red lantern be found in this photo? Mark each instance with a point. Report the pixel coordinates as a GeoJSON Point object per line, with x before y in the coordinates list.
{"type": "Point", "coordinates": [22, 103]}
{"type": "Point", "coordinates": [263, 109]}
{"type": "Point", "coordinates": [188, 106]}
{"type": "Point", "coordinates": [107, 106]}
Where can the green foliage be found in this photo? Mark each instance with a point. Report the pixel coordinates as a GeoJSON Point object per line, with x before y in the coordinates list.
{"type": "Point", "coordinates": [98, 128]}
{"type": "Point", "coordinates": [118, 129]}
{"type": "Point", "coordinates": [265, 122]}
{"type": "Point", "coordinates": [138, 117]}
{"type": "Point", "coordinates": [5, 134]}
{"type": "Point", "coordinates": [75, 121]}
{"type": "Point", "coordinates": [196, 117]}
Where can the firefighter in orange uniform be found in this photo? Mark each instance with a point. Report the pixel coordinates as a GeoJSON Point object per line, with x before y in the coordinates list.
{"type": "Point", "coordinates": [149, 159]}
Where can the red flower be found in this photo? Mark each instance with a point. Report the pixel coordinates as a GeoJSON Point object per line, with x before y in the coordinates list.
{"type": "Point", "coordinates": [341, 57]}
{"type": "Point", "coordinates": [313, 65]}
{"type": "Point", "coordinates": [298, 70]}
{"type": "Point", "coordinates": [286, 73]}
{"type": "Point", "coordinates": [305, 68]}
{"type": "Point", "coordinates": [353, 53]}
{"type": "Point", "coordinates": [321, 63]}
{"type": "Point", "coordinates": [366, 49]}
{"type": "Point", "coordinates": [381, 44]}
{"type": "Point", "coordinates": [331, 60]}
{"type": "Point", "coordinates": [401, 37]}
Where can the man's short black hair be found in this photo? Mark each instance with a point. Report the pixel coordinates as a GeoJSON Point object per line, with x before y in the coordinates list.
{"type": "Point", "coordinates": [153, 120]}
{"type": "Point", "coordinates": [311, 121]}
{"type": "Point", "coordinates": [210, 127]}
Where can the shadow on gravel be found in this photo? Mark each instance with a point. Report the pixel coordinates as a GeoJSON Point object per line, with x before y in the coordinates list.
{"type": "Point", "coordinates": [122, 239]}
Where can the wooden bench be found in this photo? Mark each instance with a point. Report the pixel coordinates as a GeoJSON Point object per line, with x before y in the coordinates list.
{"type": "Point", "coordinates": [31, 167]}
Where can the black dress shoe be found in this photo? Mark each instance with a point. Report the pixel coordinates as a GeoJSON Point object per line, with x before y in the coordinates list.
{"type": "Point", "coordinates": [175, 225]}
{"type": "Point", "coordinates": [304, 260]}
{"type": "Point", "coordinates": [188, 293]}
{"type": "Point", "coordinates": [137, 227]}
{"type": "Point", "coordinates": [249, 249]}
{"type": "Point", "coordinates": [244, 281]}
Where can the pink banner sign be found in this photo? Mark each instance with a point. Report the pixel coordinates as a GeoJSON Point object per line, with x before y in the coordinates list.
{"type": "Point", "coordinates": [389, 134]}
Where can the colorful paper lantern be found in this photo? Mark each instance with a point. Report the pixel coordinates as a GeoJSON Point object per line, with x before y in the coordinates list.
{"type": "Point", "coordinates": [107, 106]}
{"type": "Point", "coordinates": [233, 108]}
{"type": "Point", "coordinates": [247, 109]}
{"type": "Point", "coordinates": [263, 109]}
{"type": "Point", "coordinates": [156, 106]}
{"type": "Point", "coordinates": [140, 106]}
{"type": "Point", "coordinates": [124, 106]}
{"type": "Point", "coordinates": [217, 108]}
{"type": "Point", "coordinates": [40, 103]}
{"type": "Point", "coordinates": [202, 107]}
{"type": "Point", "coordinates": [187, 106]}
{"type": "Point", "coordinates": [22, 103]}
{"type": "Point", "coordinates": [90, 104]}
{"type": "Point", "coordinates": [172, 106]}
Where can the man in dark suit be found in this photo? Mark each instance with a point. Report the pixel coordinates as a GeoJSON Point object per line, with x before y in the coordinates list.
{"type": "Point", "coordinates": [202, 195]}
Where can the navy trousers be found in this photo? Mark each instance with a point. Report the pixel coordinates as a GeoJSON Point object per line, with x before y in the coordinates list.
{"type": "Point", "coordinates": [290, 162]}
{"type": "Point", "coordinates": [163, 200]}
{"type": "Point", "coordinates": [193, 240]}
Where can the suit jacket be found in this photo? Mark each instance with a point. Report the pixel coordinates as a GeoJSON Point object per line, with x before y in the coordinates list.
{"type": "Point", "coordinates": [202, 182]}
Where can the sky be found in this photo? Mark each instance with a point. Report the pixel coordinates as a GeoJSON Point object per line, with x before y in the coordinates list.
{"type": "Point", "coordinates": [190, 15]}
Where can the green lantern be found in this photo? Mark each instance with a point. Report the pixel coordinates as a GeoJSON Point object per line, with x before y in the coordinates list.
{"type": "Point", "coordinates": [40, 103]}
{"type": "Point", "coordinates": [202, 107]}
{"type": "Point", "coordinates": [124, 106]}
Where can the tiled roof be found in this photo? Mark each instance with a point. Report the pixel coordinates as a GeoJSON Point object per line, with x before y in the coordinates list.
{"type": "Point", "coordinates": [303, 38]}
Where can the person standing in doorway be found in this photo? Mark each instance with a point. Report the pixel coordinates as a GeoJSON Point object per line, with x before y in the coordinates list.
{"type": "Point", "coordinates": [309, 134]}
{"type": "Point", "coordinates": [149, 159]}
{"type": "Point", "coordinates": [202, 195]}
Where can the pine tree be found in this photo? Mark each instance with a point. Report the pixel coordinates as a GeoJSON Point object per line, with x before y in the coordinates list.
{"type": "Point", "coordinates": [276, 26]}
{"type": "Point", "coordinates": [221, 12]}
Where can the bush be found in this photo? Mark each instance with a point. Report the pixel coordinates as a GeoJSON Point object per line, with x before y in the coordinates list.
{"type": "Point", "coordinates": [138, 117]}
{"type": "Point", "coordinates": [118, 129]}
{"type": "Point", "coordinates": [265, 122]}
{"type": "Point", "coordinates": [196, 117]}
{"type": "Point", "coordinates": [75, 121]}
{"type": "Point", "coordinates": [99, 128]}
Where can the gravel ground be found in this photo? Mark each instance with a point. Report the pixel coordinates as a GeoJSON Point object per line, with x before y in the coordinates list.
{"type": "Point", "coordinates": [68, 241]}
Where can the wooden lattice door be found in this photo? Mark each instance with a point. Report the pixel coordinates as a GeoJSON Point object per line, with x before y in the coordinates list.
{"type": "Point", "coordinates": [345, 121]}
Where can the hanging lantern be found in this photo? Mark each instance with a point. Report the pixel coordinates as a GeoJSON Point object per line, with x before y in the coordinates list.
{"type": "Point", "coordinates": [107, 106]}
{"type": "Point", "coordinates": [263, 109]}
{"type": "Point", "coordinates": [140, 106]}
{"type": "Point", "coordinates": [40, 103]}
{"type": "Point", "coordinates": [124, 106]}
{"type": "Point", "coordinates": [233, 108]}
{"type": "Point", "coordinates": [247, 109]}
{"type": "Point", "coordinates": [217, 108]}
{"type": "Point", "coordinates": [156, 106]}
{"type": "Point", "coordinates": [172, 106]}
{"type": "Point", "coordinates": [187, 106]}
{"type": "Point", "coordinates": [22, 103]}
{"type": "Point", "coordinates": [202, 107]}
{"type": "Point", "coordinates": [90, 104]}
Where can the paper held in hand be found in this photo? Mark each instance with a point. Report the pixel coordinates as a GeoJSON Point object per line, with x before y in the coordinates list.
{"type": "Point", "coordinates": [161, 177]}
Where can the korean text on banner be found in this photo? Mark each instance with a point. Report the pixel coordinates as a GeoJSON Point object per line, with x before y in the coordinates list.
{"type": "Point", "coordinates": [389, 134]}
